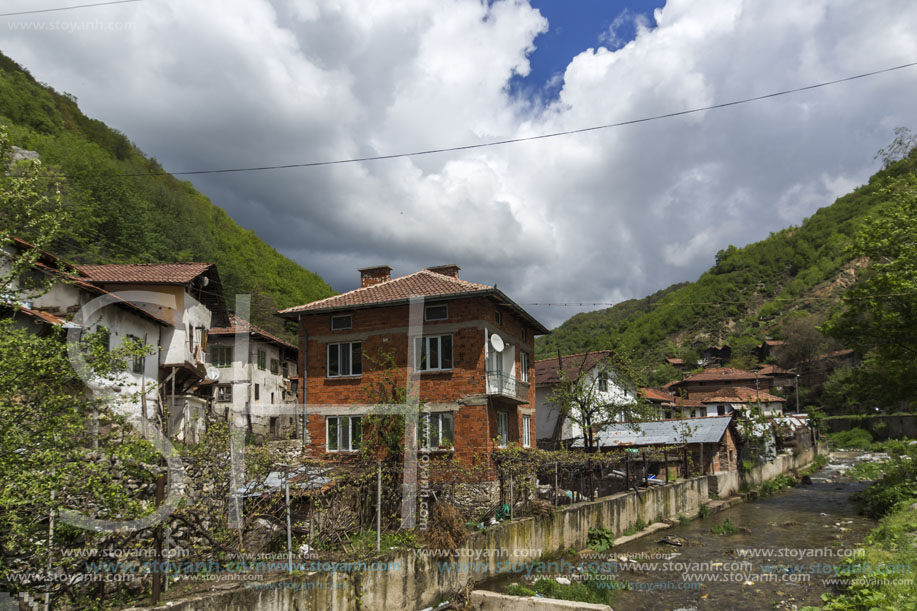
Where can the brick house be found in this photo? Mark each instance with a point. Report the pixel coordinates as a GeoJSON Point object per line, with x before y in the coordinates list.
{"type": "Point", "coordinates": [468, 346]}
{"type": "Point", "coordinates": [700, 385]}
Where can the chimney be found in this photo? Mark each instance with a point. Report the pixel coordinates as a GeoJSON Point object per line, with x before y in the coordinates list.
{"type": "Point", "coordinates": [370, 276]}
{"type": "Point", "coordinates": [451, 270]}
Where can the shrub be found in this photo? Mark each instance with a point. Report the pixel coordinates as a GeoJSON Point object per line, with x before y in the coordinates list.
{"type": "Point", "coordinates": [704, 510]}
{"type": "Point", "coordinates": [851, 439]}
{"type": "Point", "coordinates": [600, 539]}
{"type": "Point", "coordinates": [726, 528]}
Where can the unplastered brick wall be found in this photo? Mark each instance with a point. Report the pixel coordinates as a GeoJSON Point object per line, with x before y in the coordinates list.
{"type": "Point", "coordinates": [382, 330]}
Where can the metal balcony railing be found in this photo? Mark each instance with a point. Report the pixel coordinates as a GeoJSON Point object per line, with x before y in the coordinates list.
{"type": "Point", "coordinates": [505, 385]}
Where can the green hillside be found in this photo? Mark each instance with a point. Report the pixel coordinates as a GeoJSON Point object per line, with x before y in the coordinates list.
{"type": "Point", "coordinates": [143, 218]}
{"type": "Point", "coordinates": [746, 296]}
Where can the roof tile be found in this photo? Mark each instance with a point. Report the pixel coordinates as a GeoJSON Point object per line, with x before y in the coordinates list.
{"type": "Point", "coordinates": [144, 273]}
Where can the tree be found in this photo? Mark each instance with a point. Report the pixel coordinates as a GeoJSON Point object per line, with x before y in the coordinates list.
{"type": "Point", "coordinates": [880, 311]}
{"type": "Point", "coordinates": [592, 397]}
{"type": "Point", "coordinates": [904, 144]}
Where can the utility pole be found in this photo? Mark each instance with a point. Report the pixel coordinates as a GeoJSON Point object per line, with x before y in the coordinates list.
{"type": "Point", "coordinates": [797, 394]}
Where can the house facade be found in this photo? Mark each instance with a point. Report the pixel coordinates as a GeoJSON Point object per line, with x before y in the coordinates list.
{"type": "Point", "coordinates": [553, 427]}
{"type": "Point", "coordinates": [701, 385]}
{"type": "Point", "coordinates": [466, 346]}
{"type": "Point", "coordinates": [257, 384]}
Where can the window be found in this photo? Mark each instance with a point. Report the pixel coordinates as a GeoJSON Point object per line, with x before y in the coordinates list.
{"type": "Point", "coordinates": [257, 391]}
{"type": "Point", "coordinates": [272, 398]}
{"type": "Point", "coordinates": [433, 353]}
{"type": "Point", "coordinates": [524, 366]}
{"type": "Point", "coordinates": [137, 362]}
{"type": "Point", "coordinates": [437, 430]}
{"type": "Point", "coordinates": [502, 429]}
{"type": "Point", "coordinates": [345, 359]}
{"type": "Point", "coordinates": [526, 430]}
{"type": "Point", "coordinates": [294, 387]}
{"type": "Point", "coordinates": [720, 410]}
{"type": "Point", "coordinates": [436, 312]}
{"type": "Point", "coordinates": [221, 356]}
{"type": "Point", "coordinates": [344, 321]}
{"type": "Point", "coordinates": [285, 368]}
{"type": "Point", "coordinates": [224, 393]}
{"type": "Point", "coordinates": [603, 382]}
{"type": "Point", "coordinates": [343, 433]}
{"type": "Point", "coordinates": [262, 359]}
{"type": "Point", "coordinates": [498, 316]}
{"type": "Point", "coordinates": [275, 366]}
{"type": "Point", "coordinates": [104, 337]}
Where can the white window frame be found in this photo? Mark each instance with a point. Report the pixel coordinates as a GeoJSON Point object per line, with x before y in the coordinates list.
{"type": "Point", "coordinates": [350, 373]}
{"type": "Point", "coordinates": [526, 430]}
{"type": "Point", "coordinates": [423, 345]}
{"type": "Point", "coordinates": [341, 317]}
{"type": "Point", "coordinates": [427, 430]}
{"type": "Point", "coordinates": [340, 437]}
{"type": "Point", "coordinates": [215, 356]}
{"type": "Point", "coordinates": [426, 312]}
{"type": "Point", "coordinates": [502, 429]}
{"type": "Point", "coordinates": [602, 381]}
{"type": "Point", "coordinates": [523, 366]}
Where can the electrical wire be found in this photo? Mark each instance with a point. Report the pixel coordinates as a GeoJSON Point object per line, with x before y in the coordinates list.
{"type": "Point", "coordinates": [67, 8]}
{"type": "Point", "coordinates": [467, 147]}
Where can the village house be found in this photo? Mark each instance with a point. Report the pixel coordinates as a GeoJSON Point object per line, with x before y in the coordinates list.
{"type": "Point", "coordinates": [467, 346]}
{"type": "Point", "coordinates": [553, 427]}
{"type": "Point", "coordinates": [188, 296]}
{"type": "Point", "coordinates": [669, 405]}
{"type": "Point", "coordinates": [257, 379]}
{"type": "Point", "coordinates": [743, 400]}
{"type": "Point", "coordinates": [54, 294]}
{"type": "Point", "coordinates": [700, 385]}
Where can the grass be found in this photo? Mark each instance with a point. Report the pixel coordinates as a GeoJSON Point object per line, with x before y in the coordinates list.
{"type": "Point", "coordinates": [590, 590]}
{"type": "Point", "coordinates": [888, 564]}
{"type": "Point", "coordinates": [635, 527]}
{"type": "Point", "coordinates": [683, 520]}
{"type": "Point", "coordinates": [704, 510]}
{"type": "Point", "coordinates": [726, 528]}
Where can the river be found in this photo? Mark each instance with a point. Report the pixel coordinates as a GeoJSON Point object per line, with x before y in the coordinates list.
{"type": "Point", "coordinates": [807, 529]}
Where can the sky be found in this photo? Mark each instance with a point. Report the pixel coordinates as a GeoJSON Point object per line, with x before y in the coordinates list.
{"type": "Point", "coordinates": [596, 217]}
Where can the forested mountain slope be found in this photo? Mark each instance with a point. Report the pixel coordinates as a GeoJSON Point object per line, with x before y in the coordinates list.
{"type": "Point", "coordinates": [746, 296]}
{"type": "Point", "coordinates": [141, 218]}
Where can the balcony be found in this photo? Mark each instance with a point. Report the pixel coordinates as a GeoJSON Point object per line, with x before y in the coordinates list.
{"type": "Point", "coordinates": [501, 384]}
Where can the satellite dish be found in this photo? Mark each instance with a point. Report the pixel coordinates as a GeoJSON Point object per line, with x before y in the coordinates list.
{"type": "Point", "coordinates": [213, 373]}
{"type": "Point", "coordinates": [497, 342]}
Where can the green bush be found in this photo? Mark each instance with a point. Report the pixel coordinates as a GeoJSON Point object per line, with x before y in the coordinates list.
{"type": "Point", "coordinates": [600, 539]}
{"type": "Point", "coordinates": [725, 528]}
{"type": "Point", "coordinates": [704, 510]}
{"type": "Point", "coordinates": [851, 439]}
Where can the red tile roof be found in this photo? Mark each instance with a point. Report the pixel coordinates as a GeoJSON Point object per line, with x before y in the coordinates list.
{"type": "Point", "coordinates": [144, 273]}
{"type": "Point", "coordinates": [654, 394]}
{"type": "Point", "coordinates": [740, 394]}
{"type": "Point", "coordinates": [547, 371]}
{"type": "Point", "coordinates": [424, 283]}
{"type": "Point", "coordinates": [718, 374]}
{"type": "Point", "coordinates": [675, 361]}
{"type": "Point", "coordinates": [774, 370]}
{"type": "Point", "coordinates": [238, 325]}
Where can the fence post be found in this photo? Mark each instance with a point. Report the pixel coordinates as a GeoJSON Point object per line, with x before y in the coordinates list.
{"type": "Point", "coordinates": [510, 496]}
{"type": "Point", "coordinates": [665, 455]}
{"type": "Point", "coordinates": [379, 506]}
{"type": "Point", "coordinates": [685, 451]}
{"type": "Point", "coordinates": [555, 483]}
{"type": "Point", "coordinates": [646, 471]}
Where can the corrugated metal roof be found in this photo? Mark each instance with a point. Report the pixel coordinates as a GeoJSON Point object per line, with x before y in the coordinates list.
{"type": "Point", "coordinates": [664, 432]}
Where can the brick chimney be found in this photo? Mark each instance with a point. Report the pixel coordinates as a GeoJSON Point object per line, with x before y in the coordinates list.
{"type": "Point", "coordinates": [451, 270]}
{"type": "Point", "coordinates": [370, 276]}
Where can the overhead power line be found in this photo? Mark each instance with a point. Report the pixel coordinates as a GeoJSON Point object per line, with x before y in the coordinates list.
{"type": "Point", "coordinates": [481, 145]}
{"type": "Point", "coordinates": [67, 8]}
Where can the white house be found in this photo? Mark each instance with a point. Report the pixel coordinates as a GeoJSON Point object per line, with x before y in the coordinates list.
{"type": "Point", "coordinates": [257, 381]}
{"type": "Point", "coordinates": [741, 399]}
{"type": "Point", "coordinates": [550, 427]}
{"type": "Point", "coordinates": [53, 294]}
{"type": "Point", "coordinates": [189, 297]}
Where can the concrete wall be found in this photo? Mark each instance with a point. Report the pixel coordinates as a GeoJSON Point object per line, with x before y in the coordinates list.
{"type": "Point", "coordinates": [725, 484]}
{"type": "Point", "coordinates": [414, 581]}
{"type": "Point", "coordinates": [882, 427]}
{"type": "Point", "coordinates": [491, 601]}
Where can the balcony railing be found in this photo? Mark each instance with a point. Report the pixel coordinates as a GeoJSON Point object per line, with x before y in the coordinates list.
{"type": "Point", "coordinates": [506, 385]}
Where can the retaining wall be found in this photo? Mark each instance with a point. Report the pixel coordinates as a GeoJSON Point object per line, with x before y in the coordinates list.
{"type": "Point", "coordinates": [415, 581]}
{"type": "Point", "coordinates": [881, 427]}
{"type": "Point", "coordinates": [726, 484]}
